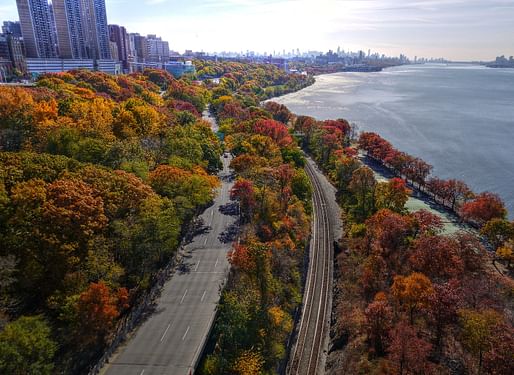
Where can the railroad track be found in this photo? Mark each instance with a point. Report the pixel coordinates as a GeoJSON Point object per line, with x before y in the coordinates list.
{"type": "Point", "coordinates": [313, 325]}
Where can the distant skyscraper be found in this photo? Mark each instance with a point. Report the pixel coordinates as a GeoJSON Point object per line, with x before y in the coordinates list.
{"type": "Point", "coordinates": [140, 47]}
{"type": "Point", "coordinates": [11, 48]}
{"type": "Point", "coordinates": [95, 29]}
{"type": "Point", "coordinates": [36, 28]}
{"type": "Point", "coordinates": [82, 29]}
{"type": "Point", "coordinates": [158, 49]}
{"type": "Point", "coordinates": [114, 50]}
{"type": "Point", "coordinates": [11, 27]}
{"type": "Point", "coordinates": [118, 35]}
{"type": "Point", "coordinates": [68, 21]}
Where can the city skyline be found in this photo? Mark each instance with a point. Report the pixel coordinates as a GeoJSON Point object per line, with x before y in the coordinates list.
{"type": "Point", "coordinates": [454, 29]}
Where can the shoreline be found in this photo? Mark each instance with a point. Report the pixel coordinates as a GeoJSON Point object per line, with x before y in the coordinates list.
{"type": "Point", "coordinates": [419, 200]}
{"type": "Point", "coordinates": [473, 183]}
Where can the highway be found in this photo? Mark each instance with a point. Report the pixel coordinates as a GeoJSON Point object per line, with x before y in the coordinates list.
{"type": "Point", "coordinates": [170, 341]}
{"type": "Point", "coordinates": [309, 351]}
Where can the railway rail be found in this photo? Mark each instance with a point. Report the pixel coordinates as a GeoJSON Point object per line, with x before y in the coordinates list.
{"type": "Point", "coordinates": [306, 355]}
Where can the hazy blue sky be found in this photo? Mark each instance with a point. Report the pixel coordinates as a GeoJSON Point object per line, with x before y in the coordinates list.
{"type": "Point", "coordinates": [457, 29]}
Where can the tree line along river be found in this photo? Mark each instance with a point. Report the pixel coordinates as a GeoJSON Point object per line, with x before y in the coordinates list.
{"type": "Point", "coordinates": [459, 118]}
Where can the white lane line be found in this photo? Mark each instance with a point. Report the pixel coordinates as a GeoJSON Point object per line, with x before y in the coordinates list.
{"type": "Point", "coordinates": [205, 241]}
{"type": "Point", "coordinates": [166, 331]}
{"type": "Point", "coordinates": [197, 264]}
{"type": "Point", "coordinates": [203, 295]}
{"type": "Point", "coordinates": [142, 372]}
{"type": "Point", "coordinates": [185, 334]}
{"type": "Point", "coordinates": [212, 213]}
{"type": "Point", "coordinates": [184, 296]}
{"type": "Point", "coordinates": [216, 264]}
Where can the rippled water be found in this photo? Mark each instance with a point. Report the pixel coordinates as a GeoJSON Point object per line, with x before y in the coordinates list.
{"type": "Point", "coordinates": [459, 118]}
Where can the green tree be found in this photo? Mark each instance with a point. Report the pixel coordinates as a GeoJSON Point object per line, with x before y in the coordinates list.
{"type": "Point", "coordinates": [478, 329]}
{"type": "Point", "coordinates": [26, 347]}
{"type": "Point", "coordinates": [497, 231]}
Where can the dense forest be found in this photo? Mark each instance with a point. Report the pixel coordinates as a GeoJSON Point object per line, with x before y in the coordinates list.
{"type": "Point", "coordinates": [247, 81]}
{"type": "Point", "coordinates": [99, 178]}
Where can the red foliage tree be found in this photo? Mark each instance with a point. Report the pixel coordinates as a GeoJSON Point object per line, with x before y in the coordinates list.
{"type": "Point", "coordinates": [243, 192]}
{"type": "Point", "coordinates": [97, 309]}
{"type": "Point", "coordinates": [499, 359]}
{"type": "Point", "coordinates": [484, 207]}
{"type": "Point", "coordinates": [427, 222]}
{"type": "Point", "coordinates": [275, 130]}
{"type": "Point", "coordinates": [442, 307]}
{"type": "Point", "coordinates": [284, 174]}
{"type": "Point", "coordinates": [386, 232]}
{"type": "Point", "coordinates": [407, 351]}
{"type": "Point", "coordinates": [437, 256]}
{"type": "Point", "coordinates": [379, 316]}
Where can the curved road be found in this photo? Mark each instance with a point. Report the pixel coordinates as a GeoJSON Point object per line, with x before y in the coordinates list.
{"type": "Point", "coordinates": [308, 353]}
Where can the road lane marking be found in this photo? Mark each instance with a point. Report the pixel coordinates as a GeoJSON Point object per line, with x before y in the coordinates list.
{"type": "Point", "coordinates": [203, 295]}
{"type": "Point", "coordinates": [184, 296]}
{"type": "Point", "coordinates": [142, 372]}
{"type": "Point", "coordinates": [197, 264]}
{"type": "Point", "coordinates": [166, 331]}
{"type": "Point", "coordinates": [216, 264]}
{"type": "Point", "coordinates": [185, 334]}
{"type": "Point", "coordinates": [212, 213]}
{"type": "Point", "coordinates": [205, 241]}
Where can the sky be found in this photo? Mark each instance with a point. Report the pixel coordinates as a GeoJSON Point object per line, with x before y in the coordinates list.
{"type": "Point", "coordinates": [454, 29]}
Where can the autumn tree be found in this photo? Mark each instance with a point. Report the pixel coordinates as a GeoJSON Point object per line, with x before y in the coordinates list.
{"type": "Point", "coordinates": [278, 111]}
{"type": "Point", "coordinates": [379, 316]}
{"type": "Point", "coordinates": [426, 222]}
{"type": "Point", "coordinates": [498, 360]}
{"type": "Point", "coordinates": [497, 231]}
{"type": "Point", "coordinates": [478, 328]}
{"type": "Point", "coordinates": [391, 195]}
{"type": "Point", "coordinates": [248, 363]}
{"type": "Point", "coordinates": [374, 274]}
{"type": "Point", "coordinates": [506, 252]}
{"type": "Point", "coordinates": [283, 176]}
{"type": "Point", "coordinates": [386, 234]}
{"type": "Point", "coordinates": [484, 207]}
{"type": "Point", "coordinates": [275, 130]}
{"type": "Point", "coordinates": [97, 309]}
{"type": "Point", "coordinates": [412, 292]}
{"type": "Point", "coordinates": [243, 191]}
{"type": "Point", "coordinates": [437, 256]}
{"type": "Point", "coordinates": [363, 185]}
{"type": "Point", "coordinates": [442, 307]}
{"type": "Point", "coordinates": [407, 351]}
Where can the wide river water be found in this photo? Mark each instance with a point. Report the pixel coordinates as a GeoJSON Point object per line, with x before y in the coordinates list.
{"type": "Point", "coordinates": [459, 118]}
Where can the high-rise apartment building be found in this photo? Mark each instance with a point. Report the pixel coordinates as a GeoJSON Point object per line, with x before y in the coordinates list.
{"type": "Point", "coordinates": [68, 21]}
{"type": "Point", "coordinates": [81, 26]}
{"type": "Point", "coordinates": [140, 47]}
{"type": "Point", "coordinates": [118, 35]}
{"type": "Point", "coordinates": [12, 27]}
{"type": "Point", "coordinates": [36, 28]}
{"type": "Point", "coordinates": [96, 30]}
{"type": "Point", "coordinates": [11, 49]}
{"type": "Point", "coordinates": [158, 49]}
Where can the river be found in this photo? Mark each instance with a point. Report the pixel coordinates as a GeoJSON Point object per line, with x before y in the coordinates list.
{"type": "Point", "coordinates": [459, 118]}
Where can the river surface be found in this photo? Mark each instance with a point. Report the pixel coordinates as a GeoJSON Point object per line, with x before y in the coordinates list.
{"type": "Point", "coordinates": [459, 118]}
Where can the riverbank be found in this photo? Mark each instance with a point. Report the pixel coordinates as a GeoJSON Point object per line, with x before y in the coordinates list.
{"type": "Point", "coordinates": [419, 200]}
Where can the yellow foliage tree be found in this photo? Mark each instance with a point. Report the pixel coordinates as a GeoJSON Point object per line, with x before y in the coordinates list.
{"type": "Point", "coordinates": [249, 362]}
